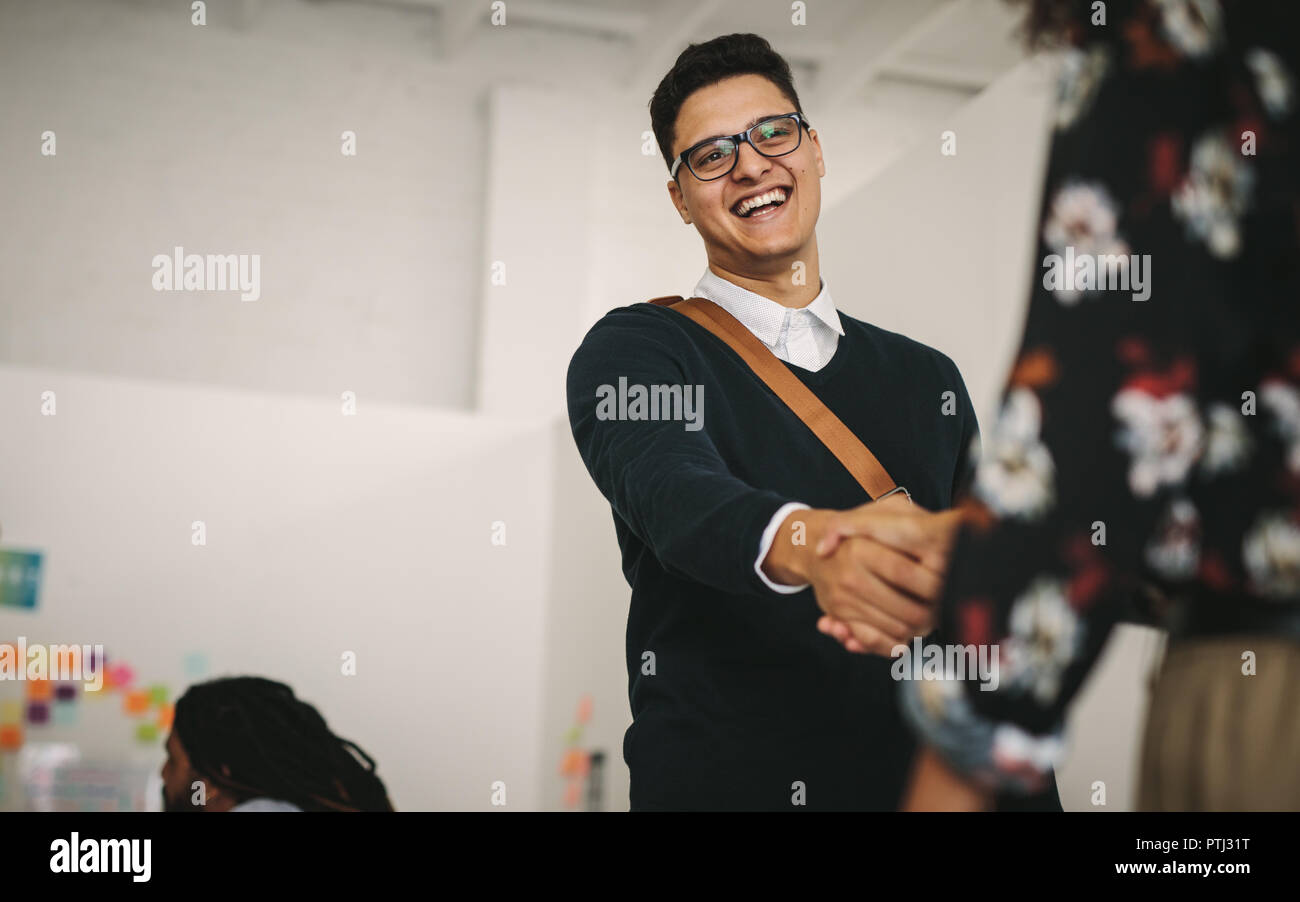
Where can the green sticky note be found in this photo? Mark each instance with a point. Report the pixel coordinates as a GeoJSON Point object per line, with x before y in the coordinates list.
{"type": "Point", "coordinates": [64, 714]}
{"type": "Point", "coordinates": [158, 694]}
{"type": "Point", "coordinates": [146, 732]}
{"type": "Point", "coordinates": [20, 578]}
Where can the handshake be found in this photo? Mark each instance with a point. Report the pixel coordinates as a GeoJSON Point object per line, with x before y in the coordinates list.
{"type": "Point", "coordinates": [876, 570]}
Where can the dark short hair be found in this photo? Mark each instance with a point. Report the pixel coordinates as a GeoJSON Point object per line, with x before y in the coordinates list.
{"type": "Point", "coordinates": [701, 65]}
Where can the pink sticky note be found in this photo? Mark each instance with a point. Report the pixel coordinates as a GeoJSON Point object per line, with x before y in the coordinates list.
{"type": "Point", "coordinates": [120, 676]}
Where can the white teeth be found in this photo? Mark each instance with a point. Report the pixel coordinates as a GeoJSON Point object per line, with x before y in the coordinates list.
{"type": "Point", "coordinates": [772, 196]}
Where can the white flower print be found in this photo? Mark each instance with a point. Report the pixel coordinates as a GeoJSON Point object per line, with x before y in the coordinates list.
{"type": "Point", "coordinates": [1016, 474]}
{"type": "Point", "coordinates": [1081, 72]}
{"type": "Point", "coordinates": [1045, 634]}
{"type": "Point", "coordinates": [1017, 751]}
{"type": "Point", "coordinates": [1193, 26]}
{"type": "Point", "coordinates": [1175, 550]}
{"type": "Point", "coordinates": [1214, 195]}
{"type": "Point", "coordinates": [1161, 434]}
{"type": "Point", "coordinates": [1283, 400]}
{"type": "Point", "coordinates": [1227, 442]}
{"type": "Point", "coordinates": [1084, 217]}
{"type": "Point", "coordinates": [1272, 81]}
{"type": "Point", "coordinates": [1271, 552]}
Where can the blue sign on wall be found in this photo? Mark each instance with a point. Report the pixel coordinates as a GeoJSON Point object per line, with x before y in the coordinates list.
{"type": "Point", "coordinates": [20, 578]}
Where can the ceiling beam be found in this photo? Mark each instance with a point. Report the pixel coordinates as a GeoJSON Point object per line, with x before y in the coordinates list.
{"type": "Point", "coordinates": [456, 23]}
{"type": "Point", "coordinates": [942, 74]}
{"type": "Point", "coordinates": [878, 42]}
{"type": "Point", "coordinates": [569, 16]}
{"type": "Point", "coordinates": [655, 48]}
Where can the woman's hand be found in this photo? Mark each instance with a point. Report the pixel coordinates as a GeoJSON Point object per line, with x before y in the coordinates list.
{"type": "Point", "coordinates": [937, 787]}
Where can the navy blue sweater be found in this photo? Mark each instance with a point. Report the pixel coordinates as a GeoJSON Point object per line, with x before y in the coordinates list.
{"type": "Point", "coordinates": [738, 702]}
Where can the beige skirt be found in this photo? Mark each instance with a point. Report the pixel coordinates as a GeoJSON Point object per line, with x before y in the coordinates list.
{"type": "Point", "coordinates": [1218, 739]}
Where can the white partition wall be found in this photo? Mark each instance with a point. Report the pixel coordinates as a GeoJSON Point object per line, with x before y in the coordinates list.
{"type": "Point", "coordinates": [325, 534]}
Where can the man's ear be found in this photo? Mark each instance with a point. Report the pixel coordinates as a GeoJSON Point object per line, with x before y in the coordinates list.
{"type": "Point", "coordinates": [817, 152]}
{"type": "Point", "coordinates": [217, 798]}
{"type": "Point", "coordinates": [675, 194]}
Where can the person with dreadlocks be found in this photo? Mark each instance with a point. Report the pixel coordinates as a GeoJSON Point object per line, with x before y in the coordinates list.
{"type": "Point", "coordinates": [254, 746]}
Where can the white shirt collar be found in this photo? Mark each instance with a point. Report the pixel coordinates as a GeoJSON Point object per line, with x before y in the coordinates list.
{"type": "Point", "coordinates": [762, 316]}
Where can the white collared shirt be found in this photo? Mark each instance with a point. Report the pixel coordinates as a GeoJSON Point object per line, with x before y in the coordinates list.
{"type": "Point", "coordinates": [804, 337]}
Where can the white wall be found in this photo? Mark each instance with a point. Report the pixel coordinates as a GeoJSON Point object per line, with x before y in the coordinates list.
{"type": "Point", "coordinates": [325, 533]}
{"type": "Point", "coordinates": [586, 621]}
{"type": "Point", "coordinates": [226, 141]}
{"type": "Point", "coordinates": [941, 247]}
{"type": "Point", "coordinates": [536, 233]}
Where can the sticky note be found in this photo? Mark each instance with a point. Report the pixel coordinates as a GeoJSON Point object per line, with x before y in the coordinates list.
{"type": "Point", "coordinates": [40, 690]}
{"type": "Point", "coordinates": [165, 715]}
{"type": "Point", "coordinates": [572, 735]}
{"type": "Point", "coordinates": [158, 694]}
{"type": "Point", "coordinates": [135, 702]}
{"type": "Point", "coordinates": [65, 713]}
{"type": "Point", "coordinates": [11, 711]}
{"type": "Point", "coordinates": [575, 763]}
{"type": "Point", "coordinates": [11, 737]}
{"type": "Point", "coordinates": [571, 793]}
{"type": "Point", "coordinates": [119, 676]}
{"type": "Point", "coordinates": [569, 763]}
{"type": "Point", "coordinates": [20, 578]}
{"type": "Point", "coordinates": [38, 712]}
{"type": "Point", "coordinates": [146, 732]}
{"type": "Point", "coordinates": [584, 709]}
{"type": "Point", "coordinates": [196, 664]}
{"type": "Point", "coordinates": [65, 692]}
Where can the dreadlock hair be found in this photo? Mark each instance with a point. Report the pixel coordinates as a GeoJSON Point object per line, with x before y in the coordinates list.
{"type": "Point", "coordinates": [253, 737]}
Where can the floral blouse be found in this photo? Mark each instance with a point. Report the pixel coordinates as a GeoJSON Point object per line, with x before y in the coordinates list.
{"type": "Point", "coordinates": [1149, 439]}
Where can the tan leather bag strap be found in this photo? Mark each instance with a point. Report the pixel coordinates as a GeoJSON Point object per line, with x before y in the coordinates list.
{"type": "Point", "coordinates": [829, 429]}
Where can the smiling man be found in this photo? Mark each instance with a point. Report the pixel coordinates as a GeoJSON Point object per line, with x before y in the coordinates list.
{"type": "Point", "coordinates": [738, 702]}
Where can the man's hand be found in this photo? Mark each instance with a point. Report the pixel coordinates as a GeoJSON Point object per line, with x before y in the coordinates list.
{"type": "Point", "coordinates": [901, 525]}
{"type": "Point", "coordinates": [878, 592]}
{"type": "Point", "coordinates": [905, 528]}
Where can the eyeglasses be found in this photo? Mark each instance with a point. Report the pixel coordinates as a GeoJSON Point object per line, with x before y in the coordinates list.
{"type": "Point", "coordinates": [714, 158]}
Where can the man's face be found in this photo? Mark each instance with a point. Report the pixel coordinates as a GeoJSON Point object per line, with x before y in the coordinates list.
{"type": "Point", "coordinates": [178, 778]}
{"type": "Point", "coordinates": [763, 245]}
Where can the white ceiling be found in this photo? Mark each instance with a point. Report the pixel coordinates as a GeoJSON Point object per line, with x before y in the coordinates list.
{"type": "Point", "coordinates": [844, 47]}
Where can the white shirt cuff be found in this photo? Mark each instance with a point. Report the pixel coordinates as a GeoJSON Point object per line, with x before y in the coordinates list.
{"type": "Point", "coordinates": [769, 536]}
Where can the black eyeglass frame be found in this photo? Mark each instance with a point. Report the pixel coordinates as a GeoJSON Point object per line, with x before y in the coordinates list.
{"type": "Point", "coordinates": [737, 140]}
